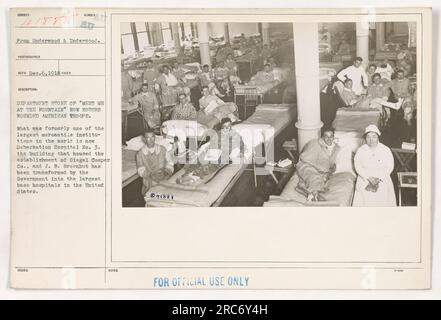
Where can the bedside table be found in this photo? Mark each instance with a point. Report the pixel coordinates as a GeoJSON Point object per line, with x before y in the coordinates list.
{"type": "Point", "coordinates": [285, 172]}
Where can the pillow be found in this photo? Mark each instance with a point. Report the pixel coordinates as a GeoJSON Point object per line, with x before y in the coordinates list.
{"type": "Point", "coordinates": [348, 139]}
{"type": "Point", "coordinates": [193, 66]}
{"type": "Point", "coordinates": [135, 143]}
{"type": "Point", "coordinates": [274, 107]}
{"type": "Point", "coordinates": [183, 128]}
{"type": "Point", "coordinates": [344, 161]}
{"type": "Point", "coordinates": [339, 86]}
{"type": "Point", "coordinates": [190, 76]}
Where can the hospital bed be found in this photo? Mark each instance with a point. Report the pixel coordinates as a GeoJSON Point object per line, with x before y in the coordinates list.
{"type": "Point", "coordinates": [355, 120]}
{"type": "Point", "coordinates": [141, 61]}
{"type": "Point", "coordinates": [352, 118]}
{"type": "Point", "coordinates": [180, 128]}
{"type": "Point", "coordinates": [129, 173]}
{"type": "Point", "coordinates": [349, 125]}
{"type": "Point", "coordinates": [271, 120]}
{"type": "Point", "coordinates": [127, 109]}
{"type": "Point", "coordinates": [340, 192]}
{"type": "Point", "coordinates": [261, 89]}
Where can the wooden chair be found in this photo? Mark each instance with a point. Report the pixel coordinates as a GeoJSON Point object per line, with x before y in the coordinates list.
{"type": "Point", "coordinates": [166, 112]}
{"type": "Point", "coordinates": [144, 122]}
{"type": "Point", "coordinates": [338, 87]}
{"type": "Point", "coordinates": [165, 109]}
{"type": "Point", "coordinates": [290, 146]}
{"type": "Point", "coordinates": [404, 158]}
{"type": "Point", "coordinates": [406, 180]}
{"type": "Point", "coordinates": [261, 165]}
{"type": "Point", "coordinates": [136, 112]}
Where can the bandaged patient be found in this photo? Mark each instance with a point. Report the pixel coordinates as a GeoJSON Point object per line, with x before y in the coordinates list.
{"type": "Point", "coordinates": [316, 165]}
{"type": "Point", "coordinates": [225, 146]}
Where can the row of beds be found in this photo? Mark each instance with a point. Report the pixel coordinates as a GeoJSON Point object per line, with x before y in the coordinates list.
{"type": "Point", "coordinates": [276, 116]}
{"type": "Point", "coordinates": [263, 112]}
{"type": "Point", "coordinates": [349, 127]}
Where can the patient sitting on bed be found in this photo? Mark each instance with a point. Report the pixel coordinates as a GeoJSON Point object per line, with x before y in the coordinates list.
{"type": "Point", "coordinates": [212, 109]}
{"type": "Point", "coordinates": [266, 76]}
{"type": "Point", "coordinates": [154, 164]}
{"type": "Point", "coordinates": [375, 99]}
{"type": "Point", "coordinates": [316, 165]}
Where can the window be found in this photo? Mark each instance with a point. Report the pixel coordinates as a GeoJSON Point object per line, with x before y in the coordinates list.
{"type": "Point", "coordinates": [143, 36]}
{"type": "Point", "coordinates": [136, 36]}
{"type": "Point", "coordinates": [187, 30]}
{"type": "Point", "coordinates": [166, 32]}
{"type": "Point", "coordinates": [127, 41]}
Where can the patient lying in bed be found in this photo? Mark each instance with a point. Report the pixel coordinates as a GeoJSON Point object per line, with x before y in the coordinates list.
{"type": "Point", "coordinates": [316, 165]}
{"type": "Point", "coordinates": [225, 146]}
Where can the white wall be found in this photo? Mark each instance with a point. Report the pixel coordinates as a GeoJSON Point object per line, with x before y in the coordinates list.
{"type": "Point", "coordinates": [281, 27]}
{"type": "Point", "coordinates": [401, 28]}
{"type": "Point", "coordinates": [238, 28]}
{"type": "Point", "coordinates": [216, 29]}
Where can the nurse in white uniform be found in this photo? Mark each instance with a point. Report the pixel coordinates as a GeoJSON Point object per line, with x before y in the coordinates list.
{"type": "Point", "coordinates": [374, 164]}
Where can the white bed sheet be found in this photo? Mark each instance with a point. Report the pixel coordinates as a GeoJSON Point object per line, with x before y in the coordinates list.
{"type": "Point", "coordinates": [341, 192]}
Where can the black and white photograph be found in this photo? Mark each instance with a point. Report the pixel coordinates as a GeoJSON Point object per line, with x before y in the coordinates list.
{"type": "Point", "coordinates": [319, 114]}
{"type": "Point", "coordinates": [197, 149]}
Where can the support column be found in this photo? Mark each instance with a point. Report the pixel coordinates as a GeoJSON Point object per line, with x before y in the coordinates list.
{"type": "Point", "coordinates": [265, 33]}
{"type": "Point", "coordinates": [227, 33]}
{"type": "Point", "coordinates": [380, 35]}
{"type": "Point", "coordinates": [203, 43]}
{"type": "Point", "coordinates": [363, 42]}
{"type": "Point", "coordinates": [306, 53]}
{"type": "Point", "coordinates": [176, 40]}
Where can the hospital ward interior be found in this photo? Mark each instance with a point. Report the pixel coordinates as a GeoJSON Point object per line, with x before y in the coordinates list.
{"type": "Point", "coordinates": [324, 114]}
